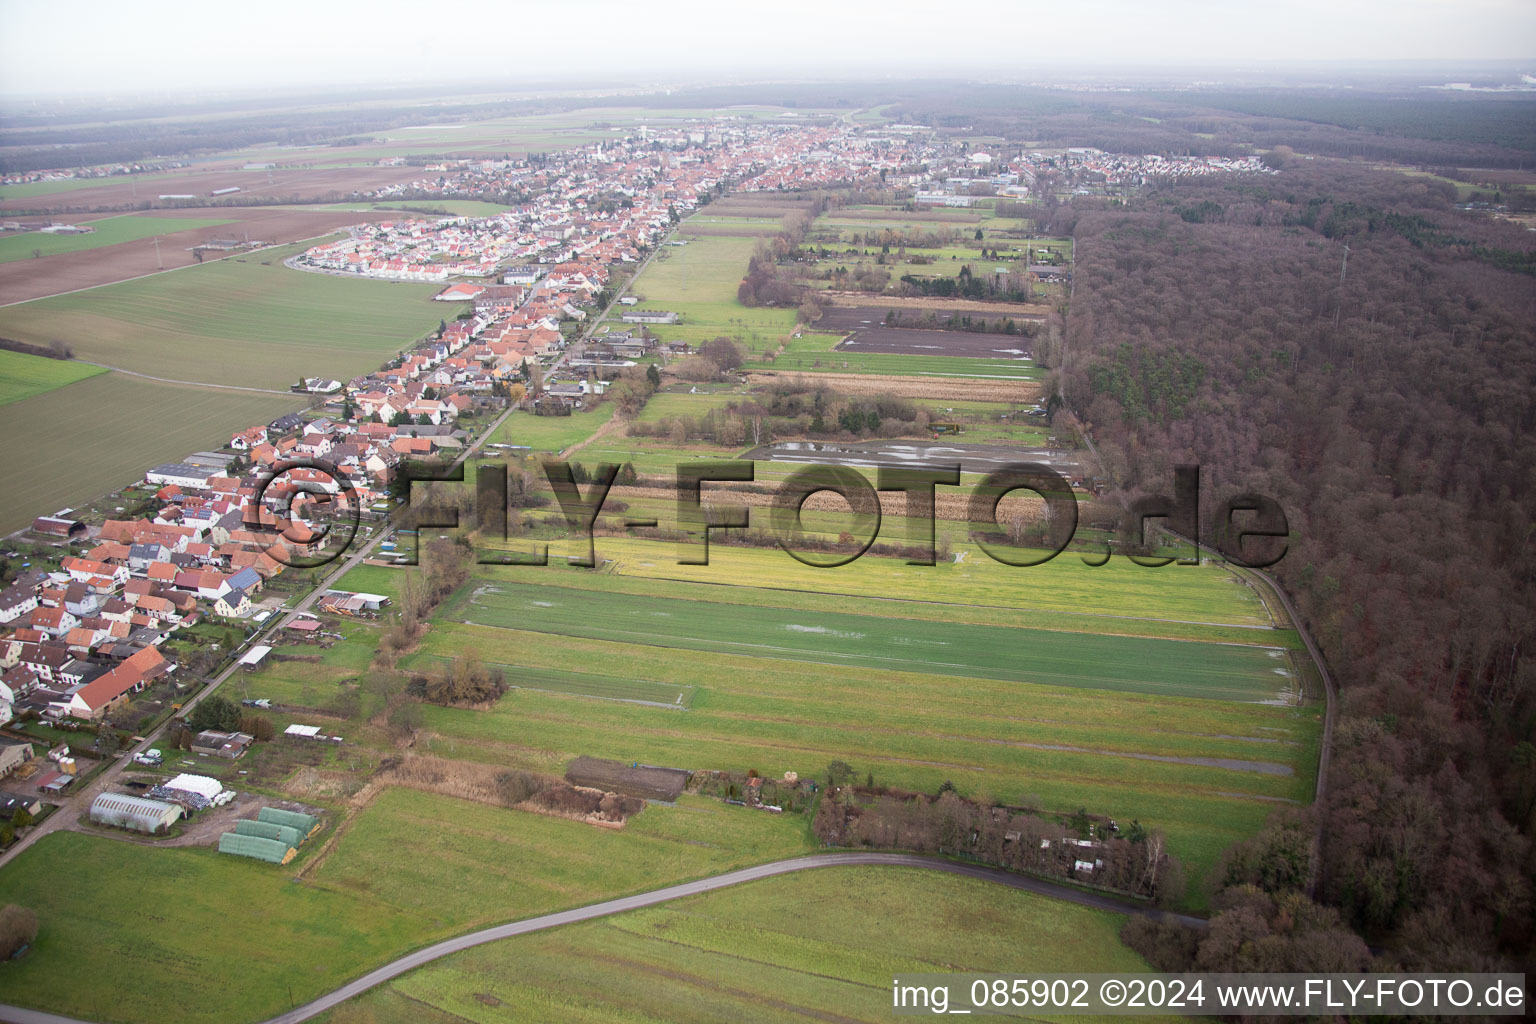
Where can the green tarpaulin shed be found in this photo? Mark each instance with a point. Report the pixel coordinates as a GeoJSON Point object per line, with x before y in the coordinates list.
{"type": "Point", "coordinates": [267, 830]}
{"type": "Point", "coordinates": [306, 824]}
{"type": "Point", "coordinates": [269, 850]}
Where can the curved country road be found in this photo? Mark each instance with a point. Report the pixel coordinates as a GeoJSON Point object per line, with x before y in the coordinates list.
{"type": "Point", "coordinates": [19, 1015]}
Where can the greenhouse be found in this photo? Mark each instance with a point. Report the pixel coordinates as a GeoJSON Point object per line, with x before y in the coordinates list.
{"type": "Point", "coordinates": [269, 850]}
{"type": "Point", "coordinates": [135, 812]}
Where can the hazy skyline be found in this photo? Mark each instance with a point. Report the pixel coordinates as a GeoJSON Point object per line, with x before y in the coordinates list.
{"type": "Point", "coordinates": [96, 47]}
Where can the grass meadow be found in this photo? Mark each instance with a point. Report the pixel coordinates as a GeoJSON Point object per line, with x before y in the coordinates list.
{"type": "Point", "coordinates": [188, 934]}
{"type": "Point", "coordinates": [23, 375]}
{"type": "Point", "coordinates": [774, 950]}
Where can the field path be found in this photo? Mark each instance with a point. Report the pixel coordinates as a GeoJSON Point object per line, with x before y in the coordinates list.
{"type": "Point", "coordinates": [1096, 901]}
{"type": "Point", "coordinates": [190, 383]}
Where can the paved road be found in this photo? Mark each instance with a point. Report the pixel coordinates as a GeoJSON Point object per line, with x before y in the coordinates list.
{"type": "Point", "coordinates": [586, 336]}
{"type": "Point", "coordinates": [20, 1015]}
{"type": "Point", "coordinates": [74, 804]}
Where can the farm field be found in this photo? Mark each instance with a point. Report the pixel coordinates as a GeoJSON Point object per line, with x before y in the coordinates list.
{"type": "Point", "coordinates": [27, 190]}
{"type": "Point", "coordinates": [552, 433]}
{"type": "Point", "coordinates": [1206, 594]}
{"type": "Point", "coordinates": [23, 375]}
{"type": "Point", "coordinates": [1220, 672]}
{"type": "Point", "coordinates": [774, 950]}
{"type": "Point", "coordinates": [1162, 760]}
{"type": "Point", "coordinates": [246, 320]}
{"type": "Point", "coordinates": [908, 604]}
{"type": "Point", "coordinates": [28, 279]}
{"type": "Point", "coordinates": [107, 430]}
{"type": "Point", "coordinates": [284, 183]}
{"type": "Point", "coordinates": [699, 280]}
{"type": "Point", "coordinates": [815, 352]}
{"type": "Point", "coordinates": [108, 231]}
{"type": "Point", "coordinates": [447, 207]}
{"type": "Point", "coordinates": [158, 920]}
{"type": "Point", "coordinates": [408, 848]}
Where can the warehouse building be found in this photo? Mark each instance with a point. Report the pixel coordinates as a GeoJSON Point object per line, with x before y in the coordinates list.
{"type": "Point", "coordinates": [270, 850]}
{"type": "Point", "coordinates": [134, 812]}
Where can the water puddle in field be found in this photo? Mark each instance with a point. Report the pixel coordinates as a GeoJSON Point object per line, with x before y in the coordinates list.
{"type": "Point", "coordinates": [824, 631]}
{"type": "Point", "coordinates": [1229, 763]}
{"type": "Point", "coordinates": [541, 604]}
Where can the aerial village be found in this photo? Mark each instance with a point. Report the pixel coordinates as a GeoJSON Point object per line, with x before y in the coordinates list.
{"type": "Point", "coordinates": [82, 642]}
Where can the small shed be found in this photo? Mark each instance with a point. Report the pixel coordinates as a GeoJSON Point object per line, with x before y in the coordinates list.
{"type": "Point", "coordinates": [270, 850]}
{"type": "Point", "coordinates": [253, 658]}
{"type": "Point", "coordinates": [307, 824]}
{"type": "Point", "coordinates": [121, 810]}
{"type": "Point", "coordinates": [267, 830]}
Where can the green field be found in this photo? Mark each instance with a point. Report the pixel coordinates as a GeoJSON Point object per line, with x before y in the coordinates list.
{"type": "Point", "coordinates": [189, 935]}
{"type": "Point", "coordinates": [245, 320]}
{"type": "Point", "coordinates": [815, 351]}
{"type": "Point", "coordinates": [46, 188]}
{"type": "Point", "coordinates": [109, 231]}
{"type": "Point", "coordinates": [552, 433]}
{"type": "Point", "coordinates": [1136, 665]}
{"type": "Point", "coordinates": [23, 376]}
{"type": "Point", "coordinates": [699, 280]}
{"type": "Point", "coordinates": [780, 949]}
{"type": "Point", "coordinates": [1186, 593]}
{"type": "Point", "coordinates": [77, 442]}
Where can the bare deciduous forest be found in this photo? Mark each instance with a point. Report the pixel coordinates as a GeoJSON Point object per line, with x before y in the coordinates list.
{"type": "Point", "coordinates": [1388, 403]}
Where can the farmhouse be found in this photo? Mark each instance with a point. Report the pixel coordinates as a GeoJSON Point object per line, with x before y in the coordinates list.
{"type": "Point", "coordinates": [228, 745]}
{"type": "Point", "coordinates": [13, 756]}
{"type": "Point", "coordinates": [94, 699]}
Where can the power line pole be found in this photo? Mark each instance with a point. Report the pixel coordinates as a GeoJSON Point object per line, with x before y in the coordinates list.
{"type": "Point", "coordinates": [158, 260]}
{"type": "Point", "coordinates": [1338, 307]}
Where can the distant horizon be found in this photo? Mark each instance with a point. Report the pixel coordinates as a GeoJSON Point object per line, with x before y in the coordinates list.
{"type": "Point", "coordinates": [1319, 74]}
{"type": "Point", "coordinates": [171, 47]}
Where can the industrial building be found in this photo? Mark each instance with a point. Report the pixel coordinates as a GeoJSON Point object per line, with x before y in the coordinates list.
{"type": "Point", "coordinates": [134, 812]}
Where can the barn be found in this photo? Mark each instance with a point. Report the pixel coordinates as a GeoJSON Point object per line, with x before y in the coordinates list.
{"type": "Point", "coordinates": [270, 850]}
{"type": "Point", "coordinates": [55, 526]}
{"type": "Point", "coordinates": [134, 812]}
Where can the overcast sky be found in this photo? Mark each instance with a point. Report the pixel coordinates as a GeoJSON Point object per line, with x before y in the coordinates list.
{"type": "Point", "coordinates": [119, 46]}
